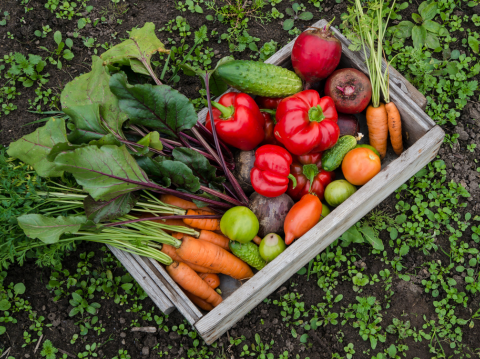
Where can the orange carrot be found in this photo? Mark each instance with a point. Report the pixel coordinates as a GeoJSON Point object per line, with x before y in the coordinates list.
{"type": "Point", "coordinates": [208, 224]}
{"type": "Point", "coordinates": [378, 128]}
{"type": "Point", "coordinates": [257, 240]}
{"type": "Point", "coordinates": [186, 278]}
{"type": "Point", "coordinates": [199, 301]}
{"type": "Point", "coordinates": [178, 202]}
{"type": "Point", "coordinates": [215, 238]}
{"type": "Point", "coordinates": [210, 255]}
{"type": "Point", "coordinates": [395, 127]}
{"type": "Point", "coordinates": [212, 279]}
{"type": "Point", "coordinates": [170, 251]}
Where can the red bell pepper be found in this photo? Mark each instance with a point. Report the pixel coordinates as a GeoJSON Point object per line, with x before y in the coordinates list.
{"type": "Point", "coordinates": [307, 123]}
{"type": "Point", "coordinates": [238, 121]}
{"type": "Point", "coordinates": [269, 117]}
{"type": "Point", "coordinates": [309, 175]}
{"type": "Point", "coordinates": [267, 106]}
{"type": "Point", "coordinates": [269, 103]}
{"type": "Point", "coordinates": [271, 171]}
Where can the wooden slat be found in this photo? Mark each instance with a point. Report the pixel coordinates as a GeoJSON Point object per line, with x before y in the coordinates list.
{"type": "Point", "coordinates": [189, 310]}
{"type": "Point", "coordinates": [145, 281]}
{"type": "Point", "coordinates": [220, 319]}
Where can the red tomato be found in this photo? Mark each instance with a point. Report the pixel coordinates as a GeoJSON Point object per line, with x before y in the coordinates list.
{"type": "Point", "coordinates": [360, 165]}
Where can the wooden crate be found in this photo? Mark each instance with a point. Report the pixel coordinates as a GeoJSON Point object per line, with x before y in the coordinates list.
{"type": "Point", "coordinates": [422, 138]}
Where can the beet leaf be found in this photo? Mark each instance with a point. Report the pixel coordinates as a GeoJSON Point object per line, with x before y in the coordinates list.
{"type": "Point", "coordinates": [100, 211]}
{"type": "Point", "coordinates": [158, 107]}
{"type": "Point", "coordinates": [49, 229]}
{"type": "Point", "coordinates": [136, 51]}
{"type": "Point", "coordinates": [91, 88]}
{"type": "Point", "coordinates": [34, 148]}
{"type": "Point", "coordinates": [199, 164]}
{"type": "Point", "coordinates": [170, 172]}
{"type": "Point", "coordinates": [105, 172]}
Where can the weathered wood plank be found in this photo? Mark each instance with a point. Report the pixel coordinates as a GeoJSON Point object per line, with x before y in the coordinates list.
{"type": "Point", "coordinates": [220, 319]}
{"type": "Point", "coordinates": [145, 281]}
{"type": "Point", "coordinates": [189, 310]}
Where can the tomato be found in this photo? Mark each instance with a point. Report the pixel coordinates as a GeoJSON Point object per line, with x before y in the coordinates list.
{"type": "Point", "coordinates": [325, 211]}
{"type": "Point", "coordinates": [302, 217]}
{"type": "Point", "coordinates": [338, 191]}
{"type": "Point", "coordinates": [239, 224]}
{"type": "Point", "coordinates": [360, 165]}
{"type": "Point", "coordinates": [271, 246]}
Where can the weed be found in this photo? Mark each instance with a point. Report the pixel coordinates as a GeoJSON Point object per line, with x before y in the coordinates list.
{"type": "Point", "coordinates": [48, 350]}
{"type": "Point", "coordinates": [55, 55]}
{"type": "Point", "coordinates": [6, 16]}
{"type": "Point", "coordinates": [296, 12]}
{"type": "Point", "coordinates": [236, 14]}
{"type": "Point", "coordinates": [368, 318]}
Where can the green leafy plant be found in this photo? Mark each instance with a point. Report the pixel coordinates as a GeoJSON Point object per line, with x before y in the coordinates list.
{"type": "Point", "coordinates": [89, 351]}
{"type": "Point", "coordinates": [296, 12]}
{"type": "Point", "coordinates": [43, 33]}
{"type": "Point", "coordinates": [236, 14]}
{"type": "Point", "coordinates": [451, 139]}
{"type": "Point", "coordinates": [425, 31]}
{"type": "Point", "coordinates": [48, 350]}
{"type": "Point", "coordinates": [61, 51]}
{"type": "Point", "coordinates": [6, 16]}
{"type": "Point", "coordinates": [80, 305]}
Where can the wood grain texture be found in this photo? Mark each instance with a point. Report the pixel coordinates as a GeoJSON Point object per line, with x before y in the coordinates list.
{"type": "Point", "coordinates": [221, 318]}
{"type": "Point", "coordinates": [146, 282]}
{"type": "Point", "coordinates": [189, 310]}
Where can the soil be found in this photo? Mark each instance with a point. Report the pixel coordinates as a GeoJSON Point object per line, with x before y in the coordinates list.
{"type": "Point", "coordinates": [409, 302]}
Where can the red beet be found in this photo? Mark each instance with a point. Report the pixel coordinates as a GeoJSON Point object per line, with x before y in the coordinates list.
{"type": "Point", "coordinates": [316, 54]}
{"type": "Point", "coordinates": [348, 125]}
{"type": "Point", "coordinates": [350, 89]}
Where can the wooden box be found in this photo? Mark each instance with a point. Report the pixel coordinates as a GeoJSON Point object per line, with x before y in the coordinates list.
{"type": "Point", "coordinates": [422, 139]}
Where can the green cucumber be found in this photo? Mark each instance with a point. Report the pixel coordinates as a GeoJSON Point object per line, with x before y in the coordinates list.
{"type": "Point", "coordinates": [332, 158]}
{"type": "Point", "coordinates": [247, 252]}
{"type": "Point", "coordinates": [370, 148]}
{"type": "Point", "coordinates": [259, 78]}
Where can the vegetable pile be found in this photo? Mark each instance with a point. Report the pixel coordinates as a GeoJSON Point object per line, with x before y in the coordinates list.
{"type": "Point", "coordinates": [140, 172]}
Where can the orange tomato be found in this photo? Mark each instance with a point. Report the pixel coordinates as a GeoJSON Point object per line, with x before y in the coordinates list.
{"type": "Point", "coordinates": [360, 165]}
{"type": "Point", "coordinates": [302, 217]}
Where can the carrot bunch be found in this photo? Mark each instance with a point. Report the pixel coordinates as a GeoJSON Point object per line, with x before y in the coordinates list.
{"type": "Point", "coordinates": [197, 260]}
{"type": "Point", "coordinates": [381, 118]}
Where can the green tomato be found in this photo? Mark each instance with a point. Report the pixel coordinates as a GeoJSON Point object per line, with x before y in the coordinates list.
{"type": "Point", "coordinates": [239, 224]}
{"type": "Point", "coordinates": [271, 246]}
{"type": "Point", "coordinates": [338, 191]}
{"type": "Point", "coordinates": [325, 211]}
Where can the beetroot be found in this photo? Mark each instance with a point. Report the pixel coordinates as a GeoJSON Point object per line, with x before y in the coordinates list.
{"type": "Point", "coordinates": [315, 55]}
{"type": "Point", "coordinates": [348, 125]}
{"type": "Point", "coordinates": [350, 89]}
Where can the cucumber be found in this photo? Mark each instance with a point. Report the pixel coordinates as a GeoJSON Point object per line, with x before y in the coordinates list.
{"type": "Point", "coordinates": [258, 78]}
{"type": "Point", "coordinates": [248, 252]}
{"type": "Point", "coordinates": [332, 158]}
{"type": "Point", "coordinates": [370, 148]}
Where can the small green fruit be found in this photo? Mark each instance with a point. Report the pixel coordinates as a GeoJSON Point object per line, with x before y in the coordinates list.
{"type": "Point", "coordinates": [271, 246]}
{"type": "Point", "coordinates": [239, 224]}
{"type": "Point", "coordinates": [325, 211]}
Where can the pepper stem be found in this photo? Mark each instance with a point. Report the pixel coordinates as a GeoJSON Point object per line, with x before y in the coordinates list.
{"type": "Point", "coordinates": [227, 112]}
{"type": "Point", "coordinates": [293, 179]}
{"type": "Point", "coordinates": [310, 171]}
{"type": "Point", "coordinates": [316, 114]}
{"type": "Point", "coordinates": [270, 112]}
